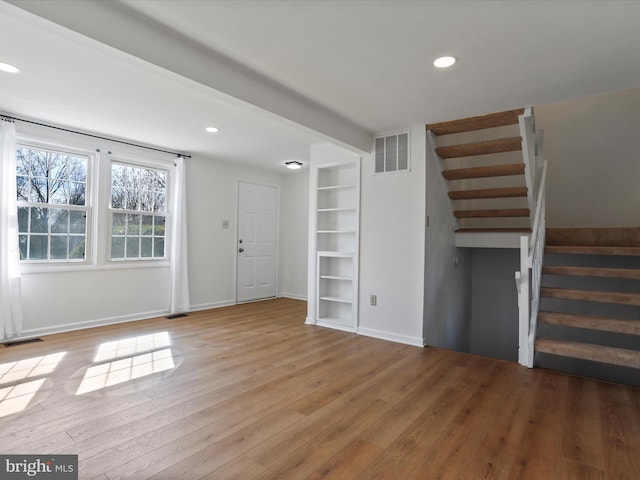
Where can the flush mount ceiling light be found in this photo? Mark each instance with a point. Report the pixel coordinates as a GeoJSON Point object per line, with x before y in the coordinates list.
{"type": "Point", "coordinates": [444, 62]}
{"type": "Point", "coordinates": [293, 164]}
{"type": "Point", "coordinates": [7, 67]}
{"type": "Point", "coordinates": [212, 129]}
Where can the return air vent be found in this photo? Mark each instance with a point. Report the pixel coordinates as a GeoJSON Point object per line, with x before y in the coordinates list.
{"type": "Point", "coordinates": [392, 153]}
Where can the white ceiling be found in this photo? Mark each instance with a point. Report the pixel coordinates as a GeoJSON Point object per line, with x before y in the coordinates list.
{"type": "Point", "coordinates": [330, 69]}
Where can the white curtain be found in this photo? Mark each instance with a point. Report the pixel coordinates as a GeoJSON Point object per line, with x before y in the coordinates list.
{"type": "Point", "coordinates": [10, 298]}
{"type": "Point", "coordinates": [179, 258]}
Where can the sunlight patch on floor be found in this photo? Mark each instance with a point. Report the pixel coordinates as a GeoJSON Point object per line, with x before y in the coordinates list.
{"type": "Point", "coordinates": [123, 370]}
{"type": "Point", "coordinates": [17, 397]}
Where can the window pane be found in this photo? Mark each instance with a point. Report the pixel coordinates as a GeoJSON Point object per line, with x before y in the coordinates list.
{"type": "Point", "coordinates": [76, 193]}
{"type": "Point", "coordinates": [22, 187]}
{"type": "Point", "coordinates": [76, 246]}
{"type": "Point", "coordinates": [22, 242]}
{"type": "Point", "coordinates": [133, 224]}
{"type": "Point", "coordinates": [39, 190]}
{"type": "Point", "coordinates": [78, 222]}
{"type": "Point", "coordinates": [118, 223]}
{"type": "Point", "coordinates": [77, 167]}
{"type": "Point", "coordinates": [133, 247]}
{"type": "Point", "coordinates": [147, 225]}
{"type": "Point", "coordinates": [132, 201]}
{"type": "Point", "coordinates": [38, 247]}
{"type": "Point", "coordinates": [39, 163]}
{"type": "Point", "coordinates": [118, 174]}
{"type": "Point", "coordinates": [147, 201]}
{"type": "Point", "coordinates": [23, 219]}
{"type": "Point", "coordinates": [117, 247]}
{"type": "Point", "coordinates": [158, 247]}
{"type": "Point", "coordinates": [59, 247]}
{"type": "Point", "coordinates": [59, 220]}
{"type": "Point", "coordinates": [57, 166]}
{"type": "Point", "coordinates": [118, 197]}
{"type": "Point", "coordinates": [22, 161]}
{"type": "Point", "coordinates": [159, 222]}
{"type": "Point", "coordinates": [39, 220]}
{"type": "Point", "coordinates": [146, 247]}
{"type": "Point", "coordinates": [58, 193]}
{"type": "Point", "coordinates": [159, 204]}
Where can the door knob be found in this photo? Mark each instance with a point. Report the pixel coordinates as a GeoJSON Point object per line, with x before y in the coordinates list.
{"type": "Point", "coordinates": [241, 250]}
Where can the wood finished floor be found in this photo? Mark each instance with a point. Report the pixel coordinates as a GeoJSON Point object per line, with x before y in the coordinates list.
{"type": "Point", "coordinates": [250, 392]}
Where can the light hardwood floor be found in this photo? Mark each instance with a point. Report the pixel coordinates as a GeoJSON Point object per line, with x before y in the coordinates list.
{"type": "Point", "coordinates": [250, 392]}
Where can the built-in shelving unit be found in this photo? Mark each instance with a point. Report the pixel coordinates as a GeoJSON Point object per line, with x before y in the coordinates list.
{"type": "Point", "coordinates": [334, 228]}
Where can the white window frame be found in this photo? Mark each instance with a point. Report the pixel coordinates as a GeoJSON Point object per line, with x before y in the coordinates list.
{"type": "Point", "coordinates": [136, 163]}
{"type": "Point", "coordinates": [29, 265]}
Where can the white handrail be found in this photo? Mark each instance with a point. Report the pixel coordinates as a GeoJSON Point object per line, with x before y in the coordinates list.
{"type": "Point", "coordinates": [528, 279]}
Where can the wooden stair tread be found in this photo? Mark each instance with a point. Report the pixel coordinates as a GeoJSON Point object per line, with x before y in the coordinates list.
{"type": "Point", "coordinates": [630, 327]}
{"type": "Point", "coordinates": [500, 145]}
{"type": "Point", "coordinates": [593, 250]}
{"type": "Point", "coordinates": [506, 192]}
{"type": "Point", "coordinates": [591, 295]}
{"type": "Point", "coordinates": [630, 273]}
{"type": "Point", "coordinates": [481, 122]}
{"type": "Point", "coordinates": [505, 212]}
{"type": "Point", "coordinates": [484, 172]}
{"type": "Point", "coordinates": [494, 230]}
{"type": "Point", "coordinates": [587, 351]}
{"type": "Point", "coordinates": [594, 236]}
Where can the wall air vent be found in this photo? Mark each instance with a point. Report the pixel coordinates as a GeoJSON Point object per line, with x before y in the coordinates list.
{"type": "Point", "coordinates": [392, 153]}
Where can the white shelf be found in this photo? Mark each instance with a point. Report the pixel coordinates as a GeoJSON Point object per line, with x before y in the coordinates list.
{"type": "Point", "coordinates": [337, 187]}
{"type": "Point", "coordinates": [336, 231]}
{"type": "Point", "coordinates": [337, 299]}
{"type": "Point", "coordinates": [336, 277]}
{"type": "Point", "coordinates": [337, 209]}
{"type": "Point", "coordinates": [333, 253]}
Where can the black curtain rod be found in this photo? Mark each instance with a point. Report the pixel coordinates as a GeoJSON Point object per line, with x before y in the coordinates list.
{"type": "Point", "coordinates": [9, 117]}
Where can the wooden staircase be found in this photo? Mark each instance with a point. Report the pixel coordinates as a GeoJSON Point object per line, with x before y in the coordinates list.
{"type": "Point", "coordinates": [589, 318]}
{"type": "Point", "coordinates": [483, 163]}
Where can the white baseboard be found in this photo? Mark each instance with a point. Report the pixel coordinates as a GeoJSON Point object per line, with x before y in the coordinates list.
{"type": "Point", "coordinates": [392, 337]}
{"type": "Point", "coordinates": [207, 306]}
{"type": "Point", "coordinates": [294, 296]}
{"type": "Point", "coordinates": [101, 322]}
{"type": "Point", "coordinates": [335, 326]}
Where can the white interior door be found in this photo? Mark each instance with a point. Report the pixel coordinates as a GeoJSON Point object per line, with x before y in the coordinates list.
{"type": "Point", "coordinates": [257, 241]}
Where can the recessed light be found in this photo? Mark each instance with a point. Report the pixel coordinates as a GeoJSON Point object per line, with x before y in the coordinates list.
{"type": "Point", "coordinates": [7, 67]}
{"type": "Point", "coordinates": [293, 164]}
{"type": "Point", "coordinates": [444, 62]}
{"type": "Point", "coordinates": [212, 129]}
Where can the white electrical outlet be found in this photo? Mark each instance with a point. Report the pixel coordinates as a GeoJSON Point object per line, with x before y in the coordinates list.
{"type": "Point", "coordinates": [373, 300]}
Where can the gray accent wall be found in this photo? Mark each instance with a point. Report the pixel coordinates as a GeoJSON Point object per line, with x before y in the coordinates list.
{"type": "Point", "coordinates": [494, 303]}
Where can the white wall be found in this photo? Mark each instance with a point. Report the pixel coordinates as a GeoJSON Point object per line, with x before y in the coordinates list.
{"type": "Point", "coordinates": [294, 228]}
{"type": "Point", "coordinates": [592, 145]}
{"type": "Point", "coordinates": [212, 198]}
{"type": "Point", "coordinates": [392, 242]}
{"type": "Point", "coordinates": [66, 299]}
